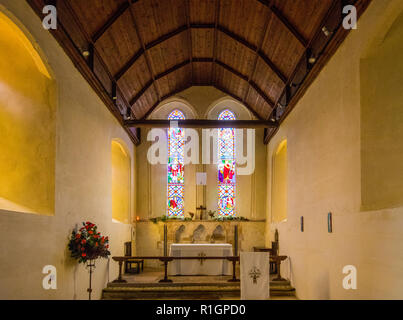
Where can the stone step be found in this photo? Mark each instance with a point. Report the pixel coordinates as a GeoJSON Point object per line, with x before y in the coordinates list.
{"type": "Point", "coordinates": [187, 291]}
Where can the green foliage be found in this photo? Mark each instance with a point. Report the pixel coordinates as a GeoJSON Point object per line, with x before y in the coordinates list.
{"type": "Point", "coordinates": [88, 244]}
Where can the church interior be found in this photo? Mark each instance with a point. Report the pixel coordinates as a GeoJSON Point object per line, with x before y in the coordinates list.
{"type": "Point", "coordinates": [217, 145]}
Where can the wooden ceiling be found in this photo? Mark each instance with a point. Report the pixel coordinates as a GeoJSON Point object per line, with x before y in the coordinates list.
{"type": "Point", "coordinates": [137, 53]}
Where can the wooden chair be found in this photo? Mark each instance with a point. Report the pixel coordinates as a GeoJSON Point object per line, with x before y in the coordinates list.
{"type": "Point", "coordinates": [129, 263]}
{"type": "Point", "coordinates": [273, 254]}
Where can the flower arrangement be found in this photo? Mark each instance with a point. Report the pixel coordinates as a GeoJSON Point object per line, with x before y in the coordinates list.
{"type": "Point", "coordinates": [165, 218]}
{"type": "Point", "coordinates": [88, 244]}
{"type": "Point", "coordinates": [230, 218]}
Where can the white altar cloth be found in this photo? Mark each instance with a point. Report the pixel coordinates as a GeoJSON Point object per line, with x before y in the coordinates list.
{"type": "Point", "coordinates": [200, 266]}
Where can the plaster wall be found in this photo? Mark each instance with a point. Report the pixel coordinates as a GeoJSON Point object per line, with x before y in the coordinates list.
{"type": "Point", "coordinates": [83, 190]}
{"type": "Point", "coordinates": [345, 157]}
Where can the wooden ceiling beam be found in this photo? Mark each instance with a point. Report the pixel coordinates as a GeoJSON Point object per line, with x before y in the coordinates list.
{"type": "Point", "coordinates": [215, 40]}
{"type": "Point", "coordinates": [184, 28]}
{"type": "Point", "coordinates": [258, 116]}
{"type": "Point", "coordinates": [285, 21]}
{"type": "Point", "coordinates": [151, 110]}
{"type": "Point", "coordinates": [190, 39]}
{"type": "Point", "coordinates": [259, 48]}
{"type": "Point", "coordinates": [201, 123]}
{"type": "Point", "coordinates": [150, 70]}
{"type": "Point", "coordinates": [115, 16]}
{"type": "Point", "coordinates": [218, 62]}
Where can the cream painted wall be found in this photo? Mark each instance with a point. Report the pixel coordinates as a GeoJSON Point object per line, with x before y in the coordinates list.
{"type": "Point", "coordinates": [84, 131]}
{"type": "Point", "coordinates": [382, 118]}
{"type": "Point", "coordinates": [325, 139]}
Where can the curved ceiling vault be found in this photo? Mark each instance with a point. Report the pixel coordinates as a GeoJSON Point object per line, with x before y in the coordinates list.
{"type": "Point", "coordinates": [144, 51]}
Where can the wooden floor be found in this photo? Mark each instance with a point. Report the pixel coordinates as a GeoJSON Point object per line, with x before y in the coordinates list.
{"type": "Point", "coordinates": [146, 285]}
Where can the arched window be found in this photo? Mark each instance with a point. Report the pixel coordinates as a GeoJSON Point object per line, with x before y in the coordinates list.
{"type": "Point", "coordinates": [226, 167]}
{"type": "Point", "coordinates": [175, 172]}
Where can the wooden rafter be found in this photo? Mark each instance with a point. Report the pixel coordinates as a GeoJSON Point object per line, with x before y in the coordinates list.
{"type": "Point", "coordinates": [218, 62]}
{"type": "Point", "coordinates": [189, 39]}
{"type": "Point", "coordinates": [145, 52]}
{"type": "Point", "coordinates": [184, 28]}
{"type": "Point", "coordinates": [115, 16]}
{"type": "Point", "coordinates": [259, 48]}
{"type": "Point", "coordinates": [238, 99]}
{"type": "Point", "coordinates": [284, 21]}
{"type": "Point", "coordinates": [215, 40]}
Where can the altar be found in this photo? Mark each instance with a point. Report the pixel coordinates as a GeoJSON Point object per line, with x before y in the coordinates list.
{"type": "Point", "coordinates": [200, 266]}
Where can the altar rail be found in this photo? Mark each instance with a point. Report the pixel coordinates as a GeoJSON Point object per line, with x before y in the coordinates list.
{"type": "Point", "coordinates": [167, 259]}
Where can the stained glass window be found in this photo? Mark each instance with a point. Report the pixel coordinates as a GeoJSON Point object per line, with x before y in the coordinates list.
{"type": "Point", "coordinates": [226, 167]}
{"type": "Point", "coordinates": [176, 153]}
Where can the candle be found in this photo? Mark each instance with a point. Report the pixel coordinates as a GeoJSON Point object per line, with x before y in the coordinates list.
{"type": "Point", "coordinates": [165, 240]}
{"type": "Point", "coordinates": [236, 241]}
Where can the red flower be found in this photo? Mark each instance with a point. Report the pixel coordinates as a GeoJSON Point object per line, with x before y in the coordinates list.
{"type": "Point", "coordinates": [83, 255]}
{"type": "Point", "coordinates": [83, 241]}
{"type": "Point", "coordinates": [77, 236]}
{"type": "Point", "coordinates": [90, 232]}
{"type": "Point", "coordinates": [82, 249]}
{"type": "Point", "coordinates": [107, 246]}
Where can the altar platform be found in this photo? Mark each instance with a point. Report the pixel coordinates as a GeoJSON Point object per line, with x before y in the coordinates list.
{"type": "Point", "coordinates": [146, 285]}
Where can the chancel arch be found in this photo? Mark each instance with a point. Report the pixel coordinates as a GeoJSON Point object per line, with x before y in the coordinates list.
{"type": "Point", "coordinates": [27, 102]}
{"type": "Point", "coordinates": [121, 182]}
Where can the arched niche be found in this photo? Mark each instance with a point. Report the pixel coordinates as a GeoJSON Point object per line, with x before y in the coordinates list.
{"type": "Point", "coordinates": [179, 233]}
{"type": "Point", "coordinates": [279, 183]}
{"type": "Point", "coordinates": [218, 234]}
{"type": "Point", "coordinates": [121, 181]}
{"type": "Point", "coordinates": [200, 234]}
{"type": "Point", "coordinates": [27, 122]}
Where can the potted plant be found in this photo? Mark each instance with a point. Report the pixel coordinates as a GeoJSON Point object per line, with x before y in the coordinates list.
{"type": "Point", "coordinates": [87, 245]}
